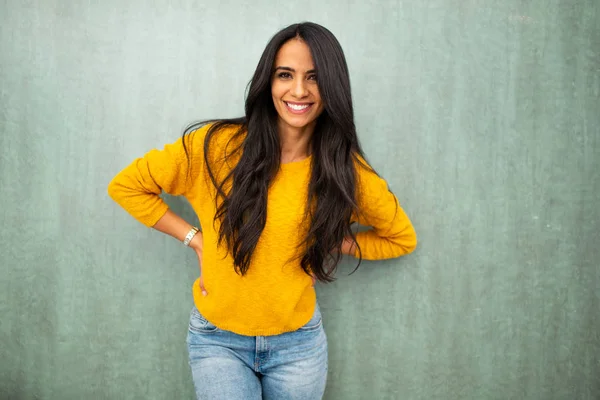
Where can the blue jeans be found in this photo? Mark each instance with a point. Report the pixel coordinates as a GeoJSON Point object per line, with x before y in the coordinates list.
{"type": "Point", "coordinates": [229, 366]}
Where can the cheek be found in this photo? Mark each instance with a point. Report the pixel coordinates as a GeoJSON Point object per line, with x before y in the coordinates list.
{"type": "Point", "coordinates": [319, 100]}
{"type": "Point", "coordinates": [277, 91]}
{"type": "Point", "coordinates": [321, 109]}
{"type": "Point", "coordinates": [317, 96]}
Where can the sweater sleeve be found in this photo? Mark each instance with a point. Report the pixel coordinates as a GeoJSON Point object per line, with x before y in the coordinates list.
{"type": "Point", "coordinates": [392, 233]}
{"type": "Point", "coordinates": [138, 186]}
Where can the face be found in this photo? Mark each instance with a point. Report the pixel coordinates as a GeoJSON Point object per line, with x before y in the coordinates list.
{"type": "Point", "coordinates": [294, 87]}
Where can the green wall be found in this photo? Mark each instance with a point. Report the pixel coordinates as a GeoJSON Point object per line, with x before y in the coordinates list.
{"type": "Point", "coordinates": [483, 116]}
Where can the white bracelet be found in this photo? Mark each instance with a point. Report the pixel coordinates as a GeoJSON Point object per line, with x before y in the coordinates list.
{"type": "Point", "coordinates": [190, 236]}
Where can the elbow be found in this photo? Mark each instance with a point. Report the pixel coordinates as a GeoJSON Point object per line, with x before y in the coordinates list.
{"type": "Point", "coordinates": [412, 242]}
{"type": "Point", "coordinates": [409, 248]}
{"type": "Point", "coordinates": [112, 189]}
{"type": "Point", "coordinates": [407, 244]}
{"type": "Point", "coordinates": [115, 190]}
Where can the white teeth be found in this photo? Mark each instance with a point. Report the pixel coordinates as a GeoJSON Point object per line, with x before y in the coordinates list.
{"type": "Point", "coordinates": [297, 107]}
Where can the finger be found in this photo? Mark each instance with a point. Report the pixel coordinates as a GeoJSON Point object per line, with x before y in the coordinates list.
{"type": "Point", "coordinates": [204, 292]}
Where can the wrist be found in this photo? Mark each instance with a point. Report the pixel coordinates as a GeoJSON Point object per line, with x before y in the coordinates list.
{"type": "Point", "coordinates": [197, 243]}
{"type": "Point", "coordinates": [348, 246]}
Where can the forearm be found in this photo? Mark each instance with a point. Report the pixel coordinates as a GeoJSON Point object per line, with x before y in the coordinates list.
{"type": "Point", "coordinates": [175, 226]}
{"type": "Point", "coordinates": [374, 246]}
{"type": "Point", "coordinates": [348, 246]}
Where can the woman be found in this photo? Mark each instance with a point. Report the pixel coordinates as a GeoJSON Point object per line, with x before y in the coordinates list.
{"type": "Point", "coordinates": [276, 192]}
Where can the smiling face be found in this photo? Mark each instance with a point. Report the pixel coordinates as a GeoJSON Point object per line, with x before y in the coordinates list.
{"type": "Point", "coordinates": [294, 88]}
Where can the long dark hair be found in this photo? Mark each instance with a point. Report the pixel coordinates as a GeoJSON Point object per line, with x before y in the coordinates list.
{"type": "Point", "coordinates": [331, 202]}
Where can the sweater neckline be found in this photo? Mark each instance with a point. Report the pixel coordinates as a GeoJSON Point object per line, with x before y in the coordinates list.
{"type": "Point", "coordinates": [295, 165]}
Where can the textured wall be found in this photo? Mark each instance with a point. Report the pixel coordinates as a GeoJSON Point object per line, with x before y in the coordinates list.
{"type": "Point", "coordinates": [483, 116]}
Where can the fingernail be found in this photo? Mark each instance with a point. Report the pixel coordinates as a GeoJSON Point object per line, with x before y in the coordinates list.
{"type": "Point", "coordinates": [203, 293]}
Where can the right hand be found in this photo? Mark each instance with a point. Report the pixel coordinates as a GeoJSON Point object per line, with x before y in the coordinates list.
{"type": "Point", "coordinates": [197, 244]}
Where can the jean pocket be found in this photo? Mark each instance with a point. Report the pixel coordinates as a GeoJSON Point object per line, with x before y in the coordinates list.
{"type": "Point", "coordinates": [315, 322]}
{"type": "Point", "coordinates": [200, 324]}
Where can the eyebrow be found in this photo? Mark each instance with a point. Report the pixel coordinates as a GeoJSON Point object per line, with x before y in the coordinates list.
{"type": "Point", "coordinates": [310, 71]}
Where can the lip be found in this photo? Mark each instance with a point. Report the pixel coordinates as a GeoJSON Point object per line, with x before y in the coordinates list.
{"type": "Point", "coordinates": [291, 110]}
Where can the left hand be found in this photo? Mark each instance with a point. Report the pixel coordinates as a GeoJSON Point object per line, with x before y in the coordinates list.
{"type": "Point", "coordinates": [348, 246]}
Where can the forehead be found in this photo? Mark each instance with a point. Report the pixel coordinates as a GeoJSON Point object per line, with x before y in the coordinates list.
{"type": "Point", "coordinates": [294, 53]}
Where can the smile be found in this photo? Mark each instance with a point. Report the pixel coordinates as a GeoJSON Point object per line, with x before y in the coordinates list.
{"type": "Point", "coordinates": [298, 108]}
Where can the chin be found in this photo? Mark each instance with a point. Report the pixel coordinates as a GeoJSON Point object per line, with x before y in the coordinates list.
{"type": "Point", "coordinates": [298, 124]}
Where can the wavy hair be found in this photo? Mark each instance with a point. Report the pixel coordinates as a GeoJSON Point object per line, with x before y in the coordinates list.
{"type": "Point", "coordinates": [332, 191]}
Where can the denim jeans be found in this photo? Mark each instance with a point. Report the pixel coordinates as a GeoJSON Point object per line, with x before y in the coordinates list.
{"type": "Point", "coordinates": [229, 366]}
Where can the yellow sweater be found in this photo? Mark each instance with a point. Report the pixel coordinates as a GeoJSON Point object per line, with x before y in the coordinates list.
{"type": "Point", "coordinates": [275, 296]}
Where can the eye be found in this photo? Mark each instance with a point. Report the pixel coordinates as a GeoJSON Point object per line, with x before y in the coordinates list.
{"type": "Point", "coordinates": [312, 77]}
{"type": "Point", "coordinates": [284, 75]}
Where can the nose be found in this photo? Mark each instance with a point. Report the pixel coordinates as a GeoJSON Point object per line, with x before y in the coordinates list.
{"type": "Point", "coordinates": [299, 89]}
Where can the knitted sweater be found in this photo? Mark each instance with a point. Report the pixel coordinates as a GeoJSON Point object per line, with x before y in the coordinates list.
{"type": "Point", "coordinates": [275, 295]}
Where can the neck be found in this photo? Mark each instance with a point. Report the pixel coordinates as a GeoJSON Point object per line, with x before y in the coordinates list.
{"type": "Point", "coordinates": [295, 142]}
